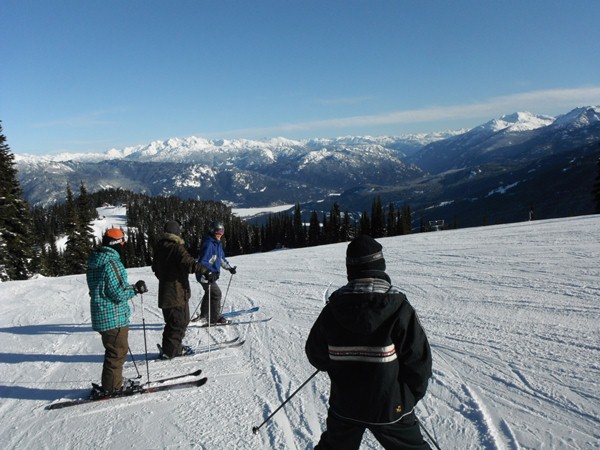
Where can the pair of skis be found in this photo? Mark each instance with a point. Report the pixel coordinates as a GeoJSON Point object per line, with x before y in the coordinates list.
{"type": "Point", "coordinates": [156, 386]}
{"type": "Point", "coordinates": [235, 322]}
{"type": "Point", "coordinates": [167, 384]}
{"type": "Point", "coordinates": [221, 345]}
{"type": "Point", "coordinates": [234, 314]}
{"type": "Point", "coordinates": [231, 343]}
{"type": "Point", "coordinates": [163, 384]}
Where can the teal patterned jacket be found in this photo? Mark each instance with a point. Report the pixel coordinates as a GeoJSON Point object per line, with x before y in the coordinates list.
{"type": "Point", "coordinates": [109, 290]}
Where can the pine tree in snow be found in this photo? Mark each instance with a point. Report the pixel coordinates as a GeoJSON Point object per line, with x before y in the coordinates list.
{"type": "Point", "coordinates": [16, 249]}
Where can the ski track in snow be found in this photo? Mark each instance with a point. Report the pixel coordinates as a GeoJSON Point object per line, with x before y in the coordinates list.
{"type": "Point", "coordinates": [511, 311]}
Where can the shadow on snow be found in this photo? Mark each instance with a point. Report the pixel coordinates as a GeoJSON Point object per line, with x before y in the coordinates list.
{"type": "Point", "coordinates": [67, 328]}
{"type": "Point", "coordinates": [25, 393]}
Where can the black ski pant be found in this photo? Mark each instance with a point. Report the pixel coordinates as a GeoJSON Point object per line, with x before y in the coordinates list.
{"type": "Point", "coordinates": [402, 435]}
{"type": "Point", "coordinates": [177, 320]}
{"type": "Point", "coordinates": [115, 344]}
{"type": "Point", "coordinates": [215, 301]}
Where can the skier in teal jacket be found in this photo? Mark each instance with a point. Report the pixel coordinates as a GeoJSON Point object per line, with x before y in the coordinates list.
{"type": "Point", "coordinates": [109, 295]}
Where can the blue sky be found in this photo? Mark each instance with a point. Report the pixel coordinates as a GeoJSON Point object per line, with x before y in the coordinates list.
{"type": "Point", "coordinates": [82, 76]}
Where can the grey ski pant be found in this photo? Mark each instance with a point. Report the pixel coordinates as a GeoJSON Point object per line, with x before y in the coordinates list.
{"type": "Point", "coordinates": [215, 301]}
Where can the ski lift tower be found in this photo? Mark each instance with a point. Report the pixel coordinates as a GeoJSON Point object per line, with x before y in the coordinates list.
{"type": "Point", "coordinates": [436, 225]}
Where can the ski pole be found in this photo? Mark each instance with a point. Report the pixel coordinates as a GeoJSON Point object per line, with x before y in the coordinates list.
{"type": "Point", "coordinates": [145, 342]}
{"type": "Point", "coordinates": [226, 292]}
{"type": "Point", "coordinates": [194, 313]}
{"type": "Point", "coordinates": [208, 328]}
{"type": "Point", "coordinates": [255, 429]}
{"type": "Point", "coordinates": [429, 435]}
{"type": "Point", "coordinates": [134, 363]}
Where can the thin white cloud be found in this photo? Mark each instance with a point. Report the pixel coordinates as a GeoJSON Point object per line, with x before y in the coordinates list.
{"type": "Point", "coordinates": [539, 102]}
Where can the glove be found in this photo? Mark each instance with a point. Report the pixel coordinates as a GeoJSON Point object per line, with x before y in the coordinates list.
{"type": "Point", "coordinates": [211, 277]}
{"type": "Point", "coordinates": [140, 287]}
{"type": "Point", "coordinates": [233, 270]}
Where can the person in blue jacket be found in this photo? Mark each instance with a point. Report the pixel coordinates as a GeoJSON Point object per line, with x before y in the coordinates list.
{"type": "Point", "coordinates": [109, 295]}
{"type": "Point", "coordinates": [212, 257]}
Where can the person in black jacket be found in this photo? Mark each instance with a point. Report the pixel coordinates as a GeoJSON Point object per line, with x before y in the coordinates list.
{"type": "Point", "coordinates": [172, 264]}
{"type": "Point", "coordinates": [370, 341]}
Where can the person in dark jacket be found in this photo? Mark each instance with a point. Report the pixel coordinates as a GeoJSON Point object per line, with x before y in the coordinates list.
{"type": "Point", "coordinates": [109, 295]}
{"type": "Point", "coordinates": [369, 340]}
{"type": "Point", "coordinates": [172, 265]}
{"type": "Point", "coordinates": [212, 258]}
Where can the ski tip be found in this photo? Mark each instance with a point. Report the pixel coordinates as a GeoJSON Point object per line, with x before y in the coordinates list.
{"type": "Point", "coordinates": [201, 381]}
{"type": "Point", "coordinates": [53, 406]}
{"type": "Point", "coordinates": [63, 404]}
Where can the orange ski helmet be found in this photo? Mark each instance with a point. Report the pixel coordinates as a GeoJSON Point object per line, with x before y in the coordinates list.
{"type": "Point", "coordinates": [113, 236]}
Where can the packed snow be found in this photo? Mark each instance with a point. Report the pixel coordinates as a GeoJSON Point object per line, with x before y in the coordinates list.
{"type": "Point", "coordinates": [512, 313]}
{"type": "Point", "coordinates": [251, 212]}
{"type": "Point", "coordinates": [108, 217]}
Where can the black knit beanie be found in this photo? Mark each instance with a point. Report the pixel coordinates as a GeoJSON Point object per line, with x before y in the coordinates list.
{"type": "Point", "coordinates": [364, 258]}
{"type": "Point", "coordinates": [173, 227]}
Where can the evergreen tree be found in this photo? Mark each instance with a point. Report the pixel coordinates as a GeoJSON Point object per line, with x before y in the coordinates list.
{"type": "Point", "coordinates": [85, 209]}
{"type": "Point", "coordinates": [377, 219]}
{"type": "Point", "coordinates": [314, 229]}
{"type": "Point", "coordinates": [347, 231]}
{"type": "Point", "coordinates": [129, 254]}
{"type": "Point", "coordinates": [299, 231]}
{"type": "Point", "coordinates": [391, 221]}
{"type": "Point", "coordinates": [406, 219]}
{"type": "Point", "coordinates": [85, 214]}
{"type": "Point", "coordinates": [365, 224]}
{"type": "Point", "coordinates": [16, 247]}
{"type": "Point", "coordinates": [79, 241]}
{"type": "Point", "coordinates": [334, 224]}
{"type": "Point", "coordinates": [325, 230]}
{"type": "Point", "coordinates": [54, 264]}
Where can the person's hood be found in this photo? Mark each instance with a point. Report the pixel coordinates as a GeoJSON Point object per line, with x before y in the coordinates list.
{"type": "Point", "coordinates": [364, 304]}
{"type": "Point", "coordinates": [173, 237]}
{"type": "Point", "coordinates": [101, 256]}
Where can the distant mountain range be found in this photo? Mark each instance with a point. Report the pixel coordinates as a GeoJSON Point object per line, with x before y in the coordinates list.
{"type": "Point", "coordinates": [492, 173]}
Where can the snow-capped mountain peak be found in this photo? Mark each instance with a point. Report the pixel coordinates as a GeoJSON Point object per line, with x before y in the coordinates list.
{"type": "Point", "coordinates": [579, 117]}
{"type": "Point", "coordinates": [518, 121]}
{"type": "Point", "coordinates": [279, 170]}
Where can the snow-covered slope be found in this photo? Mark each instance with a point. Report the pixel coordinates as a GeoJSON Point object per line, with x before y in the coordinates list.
{"type": "Point", "coordinates": [511, 311]}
